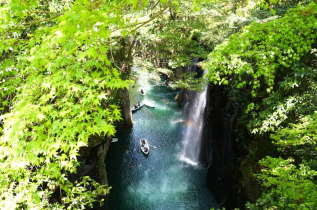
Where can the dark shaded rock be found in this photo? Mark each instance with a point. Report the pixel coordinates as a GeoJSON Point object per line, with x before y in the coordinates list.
{"type": "Point", "coordinates": [219, 150]}
{"type": "Point", "coordinates": [93, 165]}
{"type": "Point", "coordinates": [101, 166]}
{"type": "Point", "coordinates": [182, 97]}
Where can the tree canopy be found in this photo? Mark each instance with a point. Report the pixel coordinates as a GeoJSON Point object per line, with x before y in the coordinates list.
{"type": "Point", "coordinates": [273, 63]}
{"type": "Point", "coordinates": [57, 85]}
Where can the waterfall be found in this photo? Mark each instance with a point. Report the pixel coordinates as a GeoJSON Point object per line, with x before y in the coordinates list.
{"type": "Point", "coordinates": [193, 133]}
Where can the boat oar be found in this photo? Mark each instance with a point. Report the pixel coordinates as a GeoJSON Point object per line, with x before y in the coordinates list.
{"type": "Point", "coordinates": [153, 146]}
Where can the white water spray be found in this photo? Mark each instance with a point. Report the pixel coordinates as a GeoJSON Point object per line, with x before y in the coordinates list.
{"type": "Point", "coordinates": [193, 133]}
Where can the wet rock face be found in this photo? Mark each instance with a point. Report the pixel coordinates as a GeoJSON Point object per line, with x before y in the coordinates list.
{"type": "Point", "coordinates": [219, 150]}
{"type": "Point", "coordinates": [182, 97]}
{"type": "Point", "coordinates": [93, 162]}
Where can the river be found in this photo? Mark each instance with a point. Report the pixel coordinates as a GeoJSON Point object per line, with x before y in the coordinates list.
{"type": "Point", "coordinates": [160, 180]}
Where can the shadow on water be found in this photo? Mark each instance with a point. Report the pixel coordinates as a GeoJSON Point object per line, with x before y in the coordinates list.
{"type": "Point", "coordinates": [159, 180]}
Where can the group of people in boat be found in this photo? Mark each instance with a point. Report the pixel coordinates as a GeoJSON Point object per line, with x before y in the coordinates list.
{"type": "Point", "coordinates": [143, 145]}
{"type": "Point", "coordinates": [137, 105]}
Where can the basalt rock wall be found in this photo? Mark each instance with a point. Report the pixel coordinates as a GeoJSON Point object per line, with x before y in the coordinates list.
{"type": "Point", "coordinates": [219, 150]}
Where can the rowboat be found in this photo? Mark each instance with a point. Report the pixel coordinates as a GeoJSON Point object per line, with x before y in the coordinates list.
{"type": "Point", "coordinates": [144, 146]}
{"type": "Point", "coordinates": [114, 140]}
{"type": "Point", "coordinates": [149, 104]}
{"type": "Point", "coordinates": [136, 109]}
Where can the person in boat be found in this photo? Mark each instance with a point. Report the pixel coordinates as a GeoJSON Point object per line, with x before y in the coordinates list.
{"type": "Point", "coordinates": [142, 92]}
{"type": "Point", "coordinates": [135, 106]}
{"type": "Point", "coordinates": [145, 149]}
{"type": "Point", "coordinates": [143, 142]}
{"type": "Point", "coordinates": [139, 104]}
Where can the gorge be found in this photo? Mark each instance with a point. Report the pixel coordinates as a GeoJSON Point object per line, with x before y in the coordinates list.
{"type": "Point", "coordinates": [234, 85]}
{"type": "Point", "coordinates": [161, 180]}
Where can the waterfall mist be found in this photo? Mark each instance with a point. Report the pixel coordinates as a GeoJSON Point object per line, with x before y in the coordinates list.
{"type": "Point", "coordinates": [193, 134]}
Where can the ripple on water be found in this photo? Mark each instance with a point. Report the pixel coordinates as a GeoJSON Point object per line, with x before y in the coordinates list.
{"type": "Point", "coordinates": [169, 185]}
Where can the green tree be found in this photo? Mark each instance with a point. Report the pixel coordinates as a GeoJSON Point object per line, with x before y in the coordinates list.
{"type": "Point", "coordinates": [270, 69]}
{"type": "Point", "coordinates": [58, 90]}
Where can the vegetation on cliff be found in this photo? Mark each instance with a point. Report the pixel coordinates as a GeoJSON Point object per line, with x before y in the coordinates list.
{"type": "Point", "coordinates": [58, 89]}
{"type": "Point", "coordinates": [270, 69]}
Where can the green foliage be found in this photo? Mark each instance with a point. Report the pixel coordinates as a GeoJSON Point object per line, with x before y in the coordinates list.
{"type": "Point", "coordinates": [58, 94]}
{"type": "Point", "coordinates": [191, 82]}
{"type": "Point", "coordinates": [270, 70]}
{"type": "Point", "coordinates": [174, 39]}
{"type": "Point", "coordinates": [291, 187]}
{"type": "Point", "coordinates": [182, 35]}
{"type": "Point", "coordinates": [255, 54]}
{"type": "Point", "coordinates": [57, 89]}
{"type": "Point", "coordinates": [293, 98]}
{"type": "Point", "coordinates": [56, 66]}
{"type": "Point", "coordinates": [300, 138]}
{"type": "Point", "coordinates": [165, 71]}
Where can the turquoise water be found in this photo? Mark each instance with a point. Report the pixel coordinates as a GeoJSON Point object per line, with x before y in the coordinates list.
{"type": "Point", "coordinates": [160, 180]}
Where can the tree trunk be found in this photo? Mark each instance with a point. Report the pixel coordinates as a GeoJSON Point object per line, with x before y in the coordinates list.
{"type": "Point", "coordinates": [101, 166]}
{"type": "Point", "coordinates": [125, 108]}
{"type": "Point", "coordinates": [123, 59]}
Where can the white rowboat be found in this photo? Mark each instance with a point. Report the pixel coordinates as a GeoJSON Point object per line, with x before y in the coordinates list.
{"type": "Point", "coordinates": [144, 146]}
